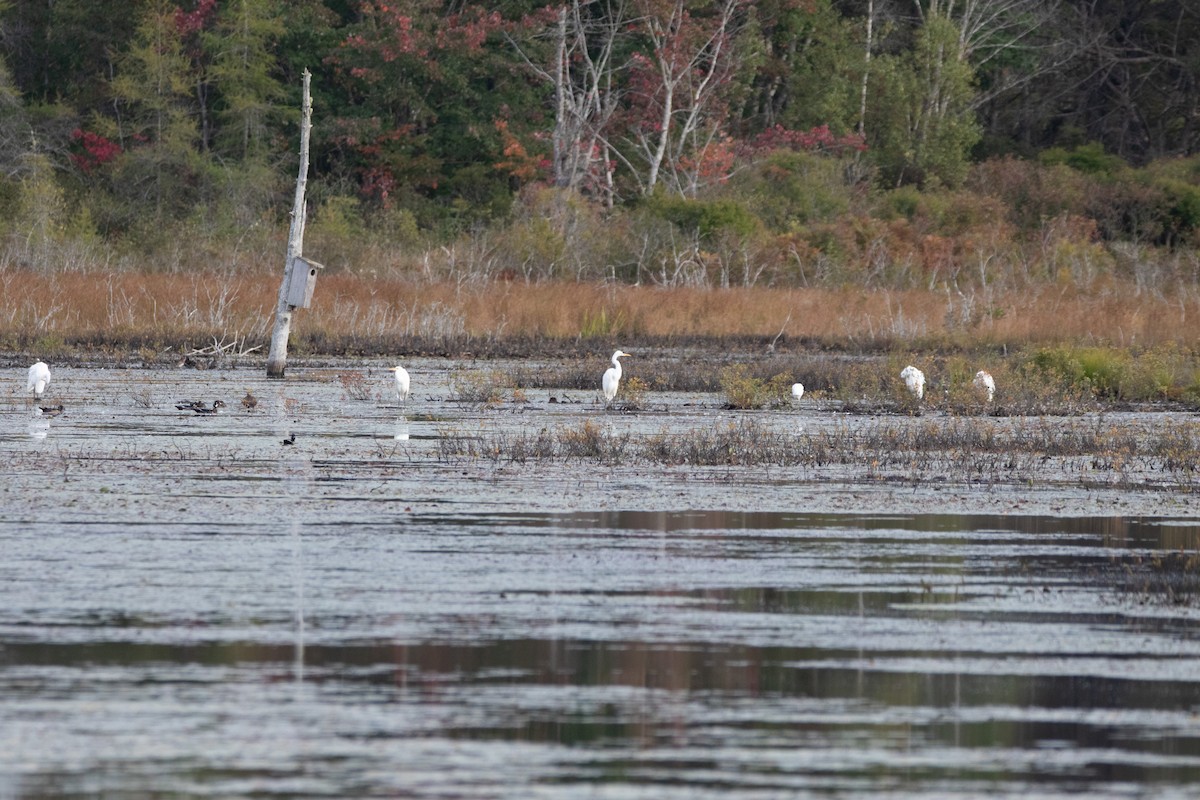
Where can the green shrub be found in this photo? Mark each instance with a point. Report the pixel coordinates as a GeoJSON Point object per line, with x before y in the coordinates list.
{"type": "Point", "coordinates": [1101, 370]}
{"type": "Point", "coordinates": [790, 189]}
{"type": "Point", "coordinates": [742, 390]}
{"type": "Point", "coordinates": [704, 218]}
{"type": "Point", "coordinates": [1088, 158]}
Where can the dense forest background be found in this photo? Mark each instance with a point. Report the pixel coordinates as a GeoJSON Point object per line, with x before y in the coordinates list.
{"type": "Point", "coordinates": [933, 144]}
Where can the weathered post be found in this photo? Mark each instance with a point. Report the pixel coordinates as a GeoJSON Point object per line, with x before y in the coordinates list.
{"type": "Point", "coordinates": [277, 358]}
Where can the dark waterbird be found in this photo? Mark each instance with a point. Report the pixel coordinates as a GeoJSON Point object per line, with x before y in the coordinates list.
{"type": "Point", "coordinates": [199, 407]}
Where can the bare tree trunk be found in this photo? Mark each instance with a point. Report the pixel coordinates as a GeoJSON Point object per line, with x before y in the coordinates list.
{"type": "Point", "coordinates": [862, 108]}
{"type": "Point", "coordinates": [690, 79]}
{"type": "Point", "coordinates": [277, 358]}
{"type": "Point", "coordinates": [584, 96]}
{"type": "Point", "coordinates": [563, 175]}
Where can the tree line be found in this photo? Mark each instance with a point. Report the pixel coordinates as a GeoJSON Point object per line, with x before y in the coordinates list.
{"type": "Point", "coordinates": [126, 119]}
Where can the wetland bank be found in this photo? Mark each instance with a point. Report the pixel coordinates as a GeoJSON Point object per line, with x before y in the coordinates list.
{"type": "Point", "coordinates": [483, 593]}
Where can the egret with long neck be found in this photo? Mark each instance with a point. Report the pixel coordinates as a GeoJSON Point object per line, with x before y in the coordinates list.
{"type": "Point", "coordinates": [612, 377]}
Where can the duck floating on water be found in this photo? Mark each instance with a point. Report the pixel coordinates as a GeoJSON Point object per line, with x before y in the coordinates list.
{"type": "Point", "coordinates": [199, 407]}
{"type": "Point", "coordinates": [249, 401]}
{"type": "Point", "coordinates": [216, 407]}
{"type": "Point", "coordinates": [50, 411]}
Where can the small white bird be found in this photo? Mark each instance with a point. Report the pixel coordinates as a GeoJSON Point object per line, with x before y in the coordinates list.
{"type": "Point", "coordinates": [612, 377]}
{"type": "Point", "coordinates": [985, 383]}
{"type": "Point", "coordinates": [914, 379]}
{"type": "Point", "coordinates": [39, 379]}
{"type": "Point", "coordinates": [402, 382]}
{"type": "Point", "coordinates": [797, 391]}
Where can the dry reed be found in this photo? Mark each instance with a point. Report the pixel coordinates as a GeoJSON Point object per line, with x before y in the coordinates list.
{"type": "Point", "coordinates": [354, 313]}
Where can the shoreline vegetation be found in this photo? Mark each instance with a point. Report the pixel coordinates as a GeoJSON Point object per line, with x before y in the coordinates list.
{"type": "Point", "coordinates": [1053, 350]}
{"type": "Point", "coordinates": [67, 314]}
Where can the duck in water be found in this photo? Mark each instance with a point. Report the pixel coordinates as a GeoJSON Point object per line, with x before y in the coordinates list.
{"type": "Point", "coordinates": [249, 401]}
{"type": "Point", "coordinates": [199, 407]}
{"type": "Point", "coordinates": [50, 411]}
{"type": "Point", "coordinates": [216, 407]}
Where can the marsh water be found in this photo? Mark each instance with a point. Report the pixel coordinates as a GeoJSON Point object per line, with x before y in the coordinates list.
{"type": "Point", "coordinates": [191, 608]}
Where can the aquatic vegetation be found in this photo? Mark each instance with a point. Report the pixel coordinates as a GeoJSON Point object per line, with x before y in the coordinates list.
{"type": "Point", "coordinates": [741, 390]}
{"type": "Point", "coordinates": [480, 387]}
{"type": "Point", "coordinates": [951, 449]}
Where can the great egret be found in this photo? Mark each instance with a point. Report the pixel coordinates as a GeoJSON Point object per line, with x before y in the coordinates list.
{"type": "Point", "coordinates": [612, 377]}
{"type": "Point", "coordinates": [985, 383]}
{"type": "Point", "coordinates": [249, 401]}
{"type": "Point", "coordinates": [914, 379]}
{"type": "Point", "coordinates": [797, 391]}
{"type": "Point", "coordinates": [39, 379]}
{"type": "Point", "coordinates": [402, 382]}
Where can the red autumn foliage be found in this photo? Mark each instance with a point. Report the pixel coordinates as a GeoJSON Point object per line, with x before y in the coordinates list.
{"type": "Point", "coordinates": [94, 150]}
{"type": "Point", "coordinates": [818, 139]}
{"type": "Point", "coordinates": [191, 22]}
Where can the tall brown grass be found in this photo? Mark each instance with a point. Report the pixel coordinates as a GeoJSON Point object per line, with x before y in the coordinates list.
{"type": "Point", "coordinates": [357, 313]}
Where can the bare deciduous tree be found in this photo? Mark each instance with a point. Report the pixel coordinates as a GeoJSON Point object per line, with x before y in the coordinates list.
{"type": "Point", "coordinates": [691, 59]}
{"type": "Point", "coordinates": [585, 34]}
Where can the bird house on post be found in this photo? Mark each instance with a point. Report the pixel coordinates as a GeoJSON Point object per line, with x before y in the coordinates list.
{"type": "Point", "coordinates": [302, 280]}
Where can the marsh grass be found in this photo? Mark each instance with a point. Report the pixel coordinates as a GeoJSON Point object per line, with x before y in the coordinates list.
{"type": "Point", "coordinates": [480, 387]}
{"type": "Point", "coordinates": [954, 449]}
{"type": "Point", "coordinates": [871, 385]}
{"type": "Point", "coordinates": [1162, 578]}
{"type": "Point", "coordinates": [354, 385]}
{"type": "Point", "coordinates": [388, 311]}
{"type": "Point", "coordinates": [1164, 373]}
{"type": "Point", "coordinates": [584, 441]}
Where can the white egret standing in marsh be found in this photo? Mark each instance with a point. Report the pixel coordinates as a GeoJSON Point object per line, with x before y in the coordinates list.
{"type": "Point", "coordinates": [914, 379]}
{"type": "Point", "coordinates": [985, 384]}
{"type": "Point", "coordinates": [612, 377]}
{"type": "Point", "coordinates": [39, 379]}
{"type": "Point", "coordinates": [797, 391]}
{"type": "Point", "coordinates": [402, 382]}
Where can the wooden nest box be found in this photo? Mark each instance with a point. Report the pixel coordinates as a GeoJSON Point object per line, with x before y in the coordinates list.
{"type": "Point", "coordinates": [302, 279]}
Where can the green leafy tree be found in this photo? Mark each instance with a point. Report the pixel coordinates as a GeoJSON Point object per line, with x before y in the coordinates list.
{"type": "Point", "coordinates": [921, 126]}
{"type": "Point", "coordinates": [161, 167]}
{"type": "Point", "coordinates": [424, 83]}
{"type": "Point", "coordinates": [250, 107]}
{"type": "Point", "coordinates": [810, 67]}
{"type": "Point", "coordinates": [14, 125]}
{"type": "Point", "coordinates": [61, 52]}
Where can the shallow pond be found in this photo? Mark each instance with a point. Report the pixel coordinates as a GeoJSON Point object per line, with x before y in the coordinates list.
{"type": "Point", "coordinates": [190, 608]}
